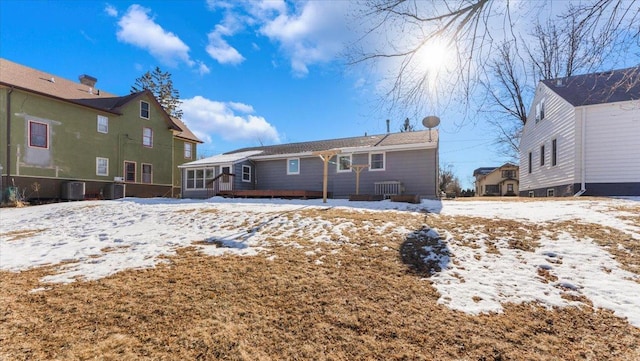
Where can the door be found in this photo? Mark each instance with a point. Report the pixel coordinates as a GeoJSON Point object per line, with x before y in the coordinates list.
{"type": "Point", "coordinates": [226, 181]}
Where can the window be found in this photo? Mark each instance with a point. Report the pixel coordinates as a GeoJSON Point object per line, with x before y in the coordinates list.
{"type": "Point", "coordinates": [147, 137]}
{"type": "Point", "coordinates": [550, 192]}
{"type": "Point", "coordinates": [540, 111]}
{"type": "Point", "coordinates": [531, 194]}
{"type": "Point", "coordinates": [293, 166]}
{"type": "Point", "coordinates": [542, 155]}
{"type": "Point", "coordinates": [129, 171]}
{"type": "Point", "coordinates": [102, 166]}
{"type": "Point", "coordinates": [554, 152]}
{"type": "Point", "coordinates": [144, 110]}
{"type": "Point", "coordinates": [376, 161]}
{"type": "Point", "coordinates": [187, 150]}
{"type": "Point", "coordinates": [38, 135]}
{"type": "Point", "coordinates": [509, 188]}
{"type": "Point", "coordinates": [246, 173]}
{"type": "Point", "coordinates": [530, 158]}
{"type": "Point", "coordinates": [510, 173]}
{"type": "Point", "coordinates": [199, 178]}
{"type": "Point", "coordinates": [225, 171]}
{"type": "Point", "coordinates": [147, 172]}
{"type": "Point", "coordinates": [344, 163]}
{"type": "Point", "coordinates": [103, 124]}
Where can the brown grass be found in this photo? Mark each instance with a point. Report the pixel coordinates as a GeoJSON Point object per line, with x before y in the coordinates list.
{"type": "Point", "coordinates": [362, 301]}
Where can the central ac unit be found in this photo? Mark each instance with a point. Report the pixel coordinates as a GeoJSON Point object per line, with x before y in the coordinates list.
{"type": "Point", "coordinates": [72, 191]}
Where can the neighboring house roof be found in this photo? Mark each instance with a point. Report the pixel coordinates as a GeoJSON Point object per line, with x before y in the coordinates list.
{"type": "Point", "coordinates": [33, 80]}
{"type": "Point", "coordinates": [349, 144]}
{"type": "Point", "coordinates": [597, 88]}
{"type": "Point", "coordinates": [391, 141]}
{"type": "Point", "coordinates": [484, 171]}
{"type": "Point", "coordinates": [184, 132]}
{"type": "Point", "coordinates": [222, 159]}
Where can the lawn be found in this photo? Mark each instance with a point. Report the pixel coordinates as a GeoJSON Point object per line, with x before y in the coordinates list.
{"type": "Point", "coordinates": [283, 280]}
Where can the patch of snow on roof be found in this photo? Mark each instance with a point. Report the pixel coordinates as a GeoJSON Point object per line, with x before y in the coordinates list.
{"type": "Point", "coordinates": [222, 158]}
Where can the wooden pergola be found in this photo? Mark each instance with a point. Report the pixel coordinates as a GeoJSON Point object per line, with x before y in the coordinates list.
{"type": "Point", "coordinates": [326, 156]}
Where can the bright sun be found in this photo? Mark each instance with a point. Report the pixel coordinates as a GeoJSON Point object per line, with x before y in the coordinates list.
{"type": "Point", "coordinates": [435, 57]}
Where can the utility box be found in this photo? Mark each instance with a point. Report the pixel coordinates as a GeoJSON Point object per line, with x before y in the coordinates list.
{"type": "Point", "coordinates": [72, 191]}
{"type": "Point", "coordinates": [113, 191]}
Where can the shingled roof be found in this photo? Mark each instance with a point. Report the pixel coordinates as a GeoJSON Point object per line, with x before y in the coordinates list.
{"type": "Point", "coordinates": [598, 88]}
{"type": "Point", "coordinates": [36, 81]}
{"type": "Point", "coordinates": [184, 132]}
{"type": "Point", "coordinates": [382, 140]}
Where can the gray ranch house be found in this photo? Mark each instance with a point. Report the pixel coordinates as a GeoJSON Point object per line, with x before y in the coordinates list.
{"type": "Point", "coordinates": [379, 165]}
{"type": "Point", "coordinates": [582, 137]}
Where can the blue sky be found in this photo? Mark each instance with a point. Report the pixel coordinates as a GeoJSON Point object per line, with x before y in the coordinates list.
{"type": "Point", "coordinates": [249, 73]}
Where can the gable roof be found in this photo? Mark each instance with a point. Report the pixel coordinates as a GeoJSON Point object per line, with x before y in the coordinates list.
{"type": "Point", "coordinates": [598, 88]}
{"type": "Point", "coordinates": [47, 84]}
{"type": "Point", "coordinates": [184, 132]}
{"type": "Point", "coordinates": [349, 144]}
{"type": "Point", "coordinates": [484, 171]}
{"type": "Point", "coordinates": [382, 142]}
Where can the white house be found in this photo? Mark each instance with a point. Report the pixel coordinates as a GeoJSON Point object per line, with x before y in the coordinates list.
{"type": "Point", "coordinates": [582, 136]}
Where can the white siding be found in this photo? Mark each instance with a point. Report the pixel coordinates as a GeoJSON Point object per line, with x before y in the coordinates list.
{"type": "Point", "coordinates": [613, 142]}
{"type": "Point", "coordinates": [559, 123]}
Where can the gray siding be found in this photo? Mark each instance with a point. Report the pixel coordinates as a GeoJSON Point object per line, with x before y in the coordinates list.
{"type": "Point", "coordinates": [415, 169]}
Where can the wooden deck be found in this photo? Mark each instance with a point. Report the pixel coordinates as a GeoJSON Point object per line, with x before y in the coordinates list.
{"type": "Point", "coordinates": [272, 193]}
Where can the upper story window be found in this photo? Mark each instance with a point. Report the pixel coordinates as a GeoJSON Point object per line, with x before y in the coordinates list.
{"type": "Point", "coordinates": [530, 165]}
{"type": "Point", "coordinates": [344, 163]}
{"type": "Point", "coordinates": [246, 173]}
{"type": "Point", "coordinates": [144, 109]}
{"type": "Point", "coordinates": [542, 155]}
{"type": "Point", "coordinates": [554, 152]}
{"type": "Point", "coordinates": [187, 150]}
{"type": "Point", "coordinates": [102, 166]}
{"type": "Point", "coordinates": [376, 161]}
{"type": "Point", "coordinates": [147, 137]}
{"type": "Point", "coordinates": [293, 166]}
{"type": "Point", "coordinates": [38, 134]}
{"type": "Point", "coordinates": [103, 124]}
{"type": "Point", "coordinates": [540, 111]}
{"type": "Point", "coordinates": [509, 174]}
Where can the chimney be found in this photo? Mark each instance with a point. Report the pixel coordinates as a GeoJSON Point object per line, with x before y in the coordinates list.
{"type": "Point", "coordinates": [88, 80]}
{"type": "Point", "coordinates": [388, 130]}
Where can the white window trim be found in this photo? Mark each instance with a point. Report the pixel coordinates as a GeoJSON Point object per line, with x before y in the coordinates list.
{"type": "Point", "coordinates": [190, 146]}
{"type": "Point", "coordinates": [148, 109]}
{"type": "Point", "coordinates": [142, 173]}
{"type": "Point", "coordinates": [384, 161]}
{"type": "Point", "coordinates": [338, 163]}
{"type": "Point", "coordinates": [289, 172]}
{"type": "Point", "coordinates": [106, 124]}
{"type": "Point", "coordinates": [47, 140]}
{"type": "Point", "coordinates": [98, 159]}
{"type": "Point", "coordinates": [150, 138]}
{"type": "Point", "coordinates": [249, 168]}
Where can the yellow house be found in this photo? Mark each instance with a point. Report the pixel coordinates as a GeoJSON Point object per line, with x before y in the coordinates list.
{"type": "Point", "coordinates": [500, 181]}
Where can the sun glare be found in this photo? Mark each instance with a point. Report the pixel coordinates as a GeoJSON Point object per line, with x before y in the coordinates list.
{"type": "Point", "coordinates": [435, 57]}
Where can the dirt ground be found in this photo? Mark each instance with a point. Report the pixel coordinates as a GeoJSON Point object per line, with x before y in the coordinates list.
{"type": "Point", "coordinates": [359, 302]}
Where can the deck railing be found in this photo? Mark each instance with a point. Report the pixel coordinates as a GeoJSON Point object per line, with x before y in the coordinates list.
{"type": "Point", "coordinates": [220, 183]}
{"type": "Point", "coordinates": [388, 188]}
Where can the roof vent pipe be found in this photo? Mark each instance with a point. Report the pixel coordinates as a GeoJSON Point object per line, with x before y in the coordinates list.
{"type": "Point", "coordinates": [388, 129]}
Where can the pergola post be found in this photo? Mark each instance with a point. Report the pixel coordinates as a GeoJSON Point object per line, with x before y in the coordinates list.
{"type": "Point", "coordinates": [326, 156]}
{"type": "Point", "coordinates": [358, 168]}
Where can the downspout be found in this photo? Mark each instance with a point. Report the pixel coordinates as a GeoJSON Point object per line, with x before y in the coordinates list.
{"type": "Point", "coordinates": [8, 164]}
{"type": "Point", "coordinates": [583, 162]}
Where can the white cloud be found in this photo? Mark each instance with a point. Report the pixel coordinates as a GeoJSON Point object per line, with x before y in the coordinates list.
{"type": "Point", "coordinates": [138, 29]}
{"type": "Point", "coordinates": [221, 51]}
{"type": "Point", "coordinates": [313, 35]}
{"type": "Point", "coordinates": [203, 68]}
{"type": "Point", "coordinates": [229, 120]}
{"type": "Point", "coordinates": [111, 10]}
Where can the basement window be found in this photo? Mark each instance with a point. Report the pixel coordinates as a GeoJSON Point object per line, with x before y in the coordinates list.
{"type": "Point", "coordinates": [550, 192]}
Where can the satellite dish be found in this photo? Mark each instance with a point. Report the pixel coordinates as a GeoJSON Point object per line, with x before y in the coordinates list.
{"type": "Point", "coordinates": [431, 121]}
